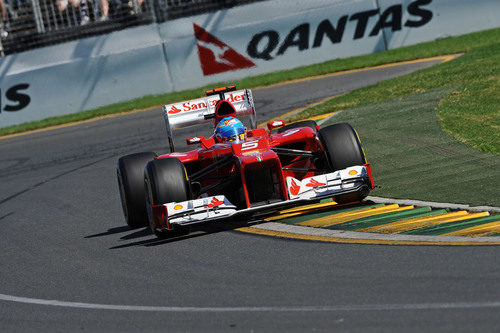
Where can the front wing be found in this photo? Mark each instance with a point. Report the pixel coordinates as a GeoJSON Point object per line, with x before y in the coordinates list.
{"type": "Point", "coordinates": [214, 208]}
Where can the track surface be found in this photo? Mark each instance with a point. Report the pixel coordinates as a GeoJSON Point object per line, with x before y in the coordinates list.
{"type": "Point", "coordinates": [63, 238]}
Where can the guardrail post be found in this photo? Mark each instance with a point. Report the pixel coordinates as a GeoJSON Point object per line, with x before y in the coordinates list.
{"type": "Point", "coordinates": [37, 13]}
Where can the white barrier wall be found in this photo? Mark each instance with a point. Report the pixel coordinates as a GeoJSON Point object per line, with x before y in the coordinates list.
{"type": "Point", "coordinates": [263, 38]}
{"type": "Point", "coordinates": [223, 46]}
{"type": "Point", "coordinates": [283, 34]}
{"type": "Point", "coordinates": [82, 75]}
{"type": "Point", "coordinates": [445, 18]}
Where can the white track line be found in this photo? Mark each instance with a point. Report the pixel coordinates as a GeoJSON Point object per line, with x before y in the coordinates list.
{"type": "Point", "coordinates": [337, 308]}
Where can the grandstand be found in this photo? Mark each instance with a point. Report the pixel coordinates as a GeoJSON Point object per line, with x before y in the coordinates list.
{"type": "Point", "coordinates": [28, 24]}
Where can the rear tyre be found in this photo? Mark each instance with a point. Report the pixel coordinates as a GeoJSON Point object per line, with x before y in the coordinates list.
{"type": "Point", "coordinates": [130, 174]}
{"type": "Point", "coordinates": [165, 181]}
{"type": "Point", "coordinates": [342, 150]}
{"type": "Point", "coordinates": [304, 123]}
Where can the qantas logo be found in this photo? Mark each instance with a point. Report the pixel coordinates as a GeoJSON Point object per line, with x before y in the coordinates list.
{"type": "Point", "coordinates": [215, 56]}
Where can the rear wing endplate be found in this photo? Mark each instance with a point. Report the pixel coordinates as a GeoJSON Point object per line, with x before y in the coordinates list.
{"type": "Point", "coordinates": [202, 110]}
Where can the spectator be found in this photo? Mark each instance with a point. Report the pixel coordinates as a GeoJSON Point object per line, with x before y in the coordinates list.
{"type": "Point", "coordinates": [4, 12]}
{"type": "Point", "coordinates": [104, 14]}
{"type": "Point", "coordinates": [3, 24]}
{"type": "Point", "coordinates": [80, 4]}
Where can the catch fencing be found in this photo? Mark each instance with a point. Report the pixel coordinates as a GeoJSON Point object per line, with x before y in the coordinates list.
{"type": "Point", "coordinates": [28, 24]}
{"type": "Point", "coordinates": [180, 51]}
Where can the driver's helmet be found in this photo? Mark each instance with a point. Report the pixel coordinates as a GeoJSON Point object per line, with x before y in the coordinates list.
{"type": "Point", "coordinates": [230, 129]}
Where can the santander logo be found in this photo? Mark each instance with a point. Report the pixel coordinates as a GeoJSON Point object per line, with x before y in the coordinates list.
{"type": "Point", "coordinates": [174, 110]}
{"type": "Point", "coordinates": [314, 183]}
{"type": "Point", "coordinates": [215, 56]}
{"type": "Point", "coordinates": [214, 203]}
{"type": "Point", "coordinates": [295, 188]}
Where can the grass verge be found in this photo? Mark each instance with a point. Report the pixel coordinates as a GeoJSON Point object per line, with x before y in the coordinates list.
{"type": "Point", "coordinates": [470, 113]}
{"type": "Point", "coordinates": [450, 45]}
{"type": "Point", "coordinates": [414, 159]}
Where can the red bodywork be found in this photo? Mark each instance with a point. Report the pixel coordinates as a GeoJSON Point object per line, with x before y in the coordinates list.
{"type": "Point", "coordinates": [250, 174]}
{"type": "Point", "coordinates": [250, 156]}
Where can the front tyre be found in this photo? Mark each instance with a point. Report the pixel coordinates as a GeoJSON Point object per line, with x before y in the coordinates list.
{"type": "Point", "coordinates": [130, 175]}
{"type": "Point", "coordinates": [342, 146]}
{"type": "Point", "coordinates": [165, 181]}
{"type": "Point", "coordinates": [342, 150]}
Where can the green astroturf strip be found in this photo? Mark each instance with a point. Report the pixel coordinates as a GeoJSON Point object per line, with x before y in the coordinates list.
{"type": "Point", "coordinates": [494, 235]}
{"type": "Point", "coordinates": [362, 222]}
{"type": "Point", "coordinates": [375, 221]}
{"type": "Point", "coordinates": [396, 216]}
{"type": "Point", "coordinates": [413, 158]}
{"type": "Point", "coordinates": [308, 215]}
{"type": "Point", "coordinates": [470, 114]}
{"type": "Point", "coordinates": [445, 228]}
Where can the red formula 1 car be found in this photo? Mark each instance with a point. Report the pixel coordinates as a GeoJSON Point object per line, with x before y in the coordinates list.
{"type": "Point", "coordinates": [254, 174]}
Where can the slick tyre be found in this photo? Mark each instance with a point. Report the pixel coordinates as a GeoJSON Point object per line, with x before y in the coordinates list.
{"type": "Point", "coordinates": [342, 146]}
{"type": "Point", "coordinates": [165, 181]}
{"type": "Point", "coordinates": [304, 123]}
{"type": "Point", "coordinates": [130, 174]}
{"type": "Point", "coordinates": [342, 150]}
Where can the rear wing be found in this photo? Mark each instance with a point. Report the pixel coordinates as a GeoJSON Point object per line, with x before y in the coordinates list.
{"type": "Point", "coordinates": [202, 110]}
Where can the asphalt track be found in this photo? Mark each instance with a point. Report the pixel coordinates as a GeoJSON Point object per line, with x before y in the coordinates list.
{"type": "Point", "coordinates": [68, 263]}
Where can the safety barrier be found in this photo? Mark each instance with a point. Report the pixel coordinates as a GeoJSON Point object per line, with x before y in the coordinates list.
{"type": "Point", "coordinates": [82, 75]}
{"type": "Point", "coordinates": [225, 45]}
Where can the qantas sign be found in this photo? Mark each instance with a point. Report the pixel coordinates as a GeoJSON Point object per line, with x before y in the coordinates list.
{"type": "Point", "coordinates": [217, 57]}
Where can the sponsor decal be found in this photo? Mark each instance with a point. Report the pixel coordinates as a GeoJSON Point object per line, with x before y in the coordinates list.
{"type": "Point", "coordinates": [202, 104]}
{"type": "Point", "coordinates": [295, 188]}
{"type": "Point", "coordinates": [178, 207]}
{"type": "Point", "coordinates": [215, 56]}
{"type": "Point", "coordinates": [15, 94]}
{"type": "Point", "coordinates": [195, 139]}
{"type": "Point", "coordinates": [230, 122]}
{"type": "Point", "coordinates": [314, 183]}
{"type": "Point", "coordinates": [214, 203]}
{"type": "Point", "coordinates": [174, 110]}
{"type": "Point", "coordinates": [291, 131]}
{"type": "Point", "coordinates": [267, 44]}
{"type": "Point", "coordinates": [353, 172]}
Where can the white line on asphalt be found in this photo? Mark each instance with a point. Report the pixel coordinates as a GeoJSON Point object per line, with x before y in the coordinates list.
{"type": "Point", "coordinates": [335, 308]}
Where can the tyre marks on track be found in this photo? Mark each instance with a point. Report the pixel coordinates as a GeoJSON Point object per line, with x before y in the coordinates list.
{"type": "Point", "coordinates": [337, 308]}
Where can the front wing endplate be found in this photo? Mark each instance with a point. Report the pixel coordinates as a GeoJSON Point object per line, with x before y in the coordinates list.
{"type": "Point", "coordinates": [218, 207]}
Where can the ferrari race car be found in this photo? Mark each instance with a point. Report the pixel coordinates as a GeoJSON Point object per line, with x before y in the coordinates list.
{"type": "Point", "coordinates": [238, 172]}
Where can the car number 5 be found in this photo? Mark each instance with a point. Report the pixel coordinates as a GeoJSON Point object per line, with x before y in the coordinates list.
{"type": "Point", "coordinates": [249, 145]}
